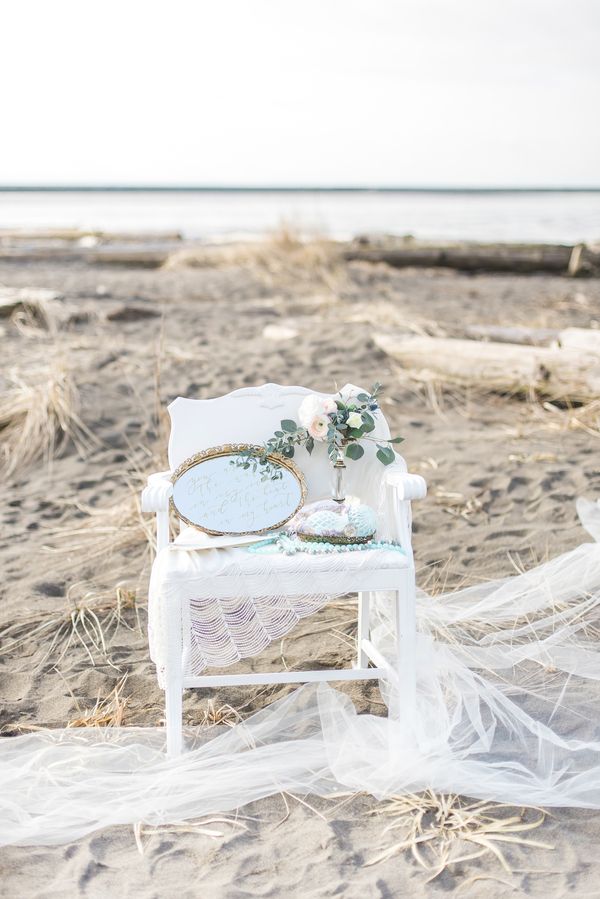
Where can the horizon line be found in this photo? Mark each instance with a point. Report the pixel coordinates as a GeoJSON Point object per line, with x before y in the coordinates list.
{"type": "Point", "coordinates": [193, 188]}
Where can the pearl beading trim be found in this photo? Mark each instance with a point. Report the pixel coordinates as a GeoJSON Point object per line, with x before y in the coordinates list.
{"type": "Point", "coordinates": [292, 545]}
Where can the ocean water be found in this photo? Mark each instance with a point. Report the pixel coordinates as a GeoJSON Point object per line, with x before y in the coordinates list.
{"type": "Point", "coordinates": [552, 217]}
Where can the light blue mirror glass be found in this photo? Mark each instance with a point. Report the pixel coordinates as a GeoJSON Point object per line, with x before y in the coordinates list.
{"type": "Point", "coordinates": [217, 492]}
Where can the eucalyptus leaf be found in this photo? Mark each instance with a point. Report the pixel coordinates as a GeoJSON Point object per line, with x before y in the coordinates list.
{"type": "Point", "coordinates": [288, 425]}
{"type": "Point", "coordinates": [385, 454]}
{"type": "Point", "coordinates": [368, 422]}
{"type": "Point", "coordinates": [354, 451]}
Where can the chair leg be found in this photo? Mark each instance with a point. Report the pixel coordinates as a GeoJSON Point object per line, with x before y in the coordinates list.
{"type": "Point", "coordinates": [406, 637]}
{"type": "Point", "coordinates": [174, 681]}
{"type": "Point", "coordinates": [173, 718]}
{"type": "Point", "coordinates": [364, 628]}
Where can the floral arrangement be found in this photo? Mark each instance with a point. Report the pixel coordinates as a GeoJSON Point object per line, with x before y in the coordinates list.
{"type": "Point", "coordinates": [342, 422]}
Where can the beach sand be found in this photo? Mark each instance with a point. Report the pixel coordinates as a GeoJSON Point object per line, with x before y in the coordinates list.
{"type": "Point", "coordinates": [503, 476]}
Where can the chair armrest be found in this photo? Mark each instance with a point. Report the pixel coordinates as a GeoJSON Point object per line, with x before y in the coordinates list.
{"type": "Point", "coordinates": [409, 486]}
{"type": "Point", "coordinates": [401, 487]}
{"type": "Point", "coordinates": [156, 493]}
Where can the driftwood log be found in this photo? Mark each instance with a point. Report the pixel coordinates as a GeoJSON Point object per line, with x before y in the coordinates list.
{"type": "Point", "coordinates": [17, 236]}
{"type": "Point", "coordinates": [478, 257]}
{"type": "Point", "coordinates": [17, 298]}
{"type": "Point", "coordinates": [136, 249]}
{"type": "Point", "coordinates": [559, 373]}
{"type": "Point", "coordinates": [586, 339]}
{"type": "Point", "coordinates": [513, 334]}
{"type": "Point", "coordinates": [152, 250]}
{"type": "Point", "coordinates": [47, 308]}
{"type": "Point", "coordinates": [126, 256]}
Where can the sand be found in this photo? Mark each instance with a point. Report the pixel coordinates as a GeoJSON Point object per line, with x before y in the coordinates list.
{"type": "Point", "coordinates": [503, 475]}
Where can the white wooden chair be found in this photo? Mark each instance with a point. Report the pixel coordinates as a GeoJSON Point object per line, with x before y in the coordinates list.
{"type": "Point", "coordinates": [250, 415]}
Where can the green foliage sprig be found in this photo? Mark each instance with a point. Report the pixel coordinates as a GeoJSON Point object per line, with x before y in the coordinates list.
{"type": "Point", "coordinates": [341, 422]}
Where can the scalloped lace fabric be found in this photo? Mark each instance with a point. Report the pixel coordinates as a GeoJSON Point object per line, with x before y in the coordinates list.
{"type": "Point", "coordinates": [508, 709]}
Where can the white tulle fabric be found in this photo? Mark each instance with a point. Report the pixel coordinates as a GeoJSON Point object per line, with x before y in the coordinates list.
{"type": "Point", "coordinates": [508, 709]}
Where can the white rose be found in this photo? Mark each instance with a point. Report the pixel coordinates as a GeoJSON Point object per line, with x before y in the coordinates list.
{"type": "Point", "coordinates": [355, 420]}
{"type": "Point", "coordinates": [311, 407]}
{"type": "Point", "coordinates": [349, 392]}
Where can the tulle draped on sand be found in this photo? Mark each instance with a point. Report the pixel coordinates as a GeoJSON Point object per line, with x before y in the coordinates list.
{"type": "Point", "coordinates": [508, 705]}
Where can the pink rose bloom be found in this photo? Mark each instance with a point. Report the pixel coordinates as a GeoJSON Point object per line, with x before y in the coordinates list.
{"type": "Point", "coordinates": [318, 427]}
{"type": "Point", "coordinates": [329, 405]}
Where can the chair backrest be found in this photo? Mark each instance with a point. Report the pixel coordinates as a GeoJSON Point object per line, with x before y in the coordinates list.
{"type": "Point", "coordinates": [251, 415]}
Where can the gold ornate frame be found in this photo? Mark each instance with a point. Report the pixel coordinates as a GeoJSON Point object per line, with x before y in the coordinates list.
{"type": "Point", "coordinates": [231, 449]}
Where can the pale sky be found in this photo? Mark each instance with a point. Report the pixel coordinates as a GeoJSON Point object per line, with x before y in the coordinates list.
{"type": "Point", "coordinates": [301, 92]}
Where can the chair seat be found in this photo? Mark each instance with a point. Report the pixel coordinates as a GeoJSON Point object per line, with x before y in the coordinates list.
{"type": "Point", "coordinates": [235, 570]}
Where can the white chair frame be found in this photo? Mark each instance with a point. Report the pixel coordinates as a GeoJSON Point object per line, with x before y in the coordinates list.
{"type": "Point", "coordinates": [198, 424]}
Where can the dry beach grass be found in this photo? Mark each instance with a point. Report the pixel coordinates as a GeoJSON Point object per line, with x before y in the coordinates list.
{"type": "Point", "coordinates": [503, 473]}
{"type": "Point", "coordinates": [39, 414]}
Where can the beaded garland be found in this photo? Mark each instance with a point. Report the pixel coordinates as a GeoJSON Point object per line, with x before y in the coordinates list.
{"type": "Point", "coordinates": [290, 545]}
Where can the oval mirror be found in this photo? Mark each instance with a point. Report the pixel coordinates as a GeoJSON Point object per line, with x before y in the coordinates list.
{"type": "Point", "coordinates": [226, 490]}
